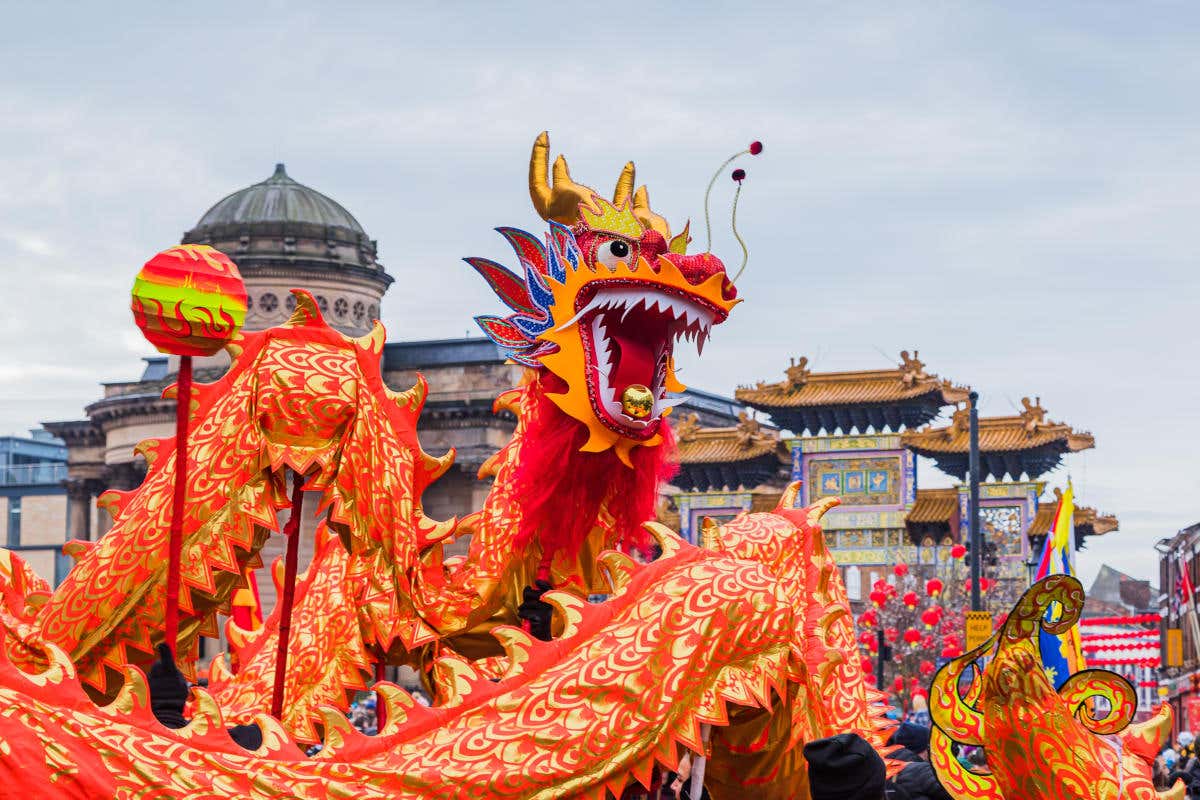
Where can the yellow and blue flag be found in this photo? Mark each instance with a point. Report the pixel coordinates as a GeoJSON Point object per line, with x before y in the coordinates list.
{"type": "Point", "coordinates": [1062, 656]}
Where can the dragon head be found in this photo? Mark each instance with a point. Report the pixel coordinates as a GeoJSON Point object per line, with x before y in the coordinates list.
{"type": "Point", "coordinates": [602, 302]}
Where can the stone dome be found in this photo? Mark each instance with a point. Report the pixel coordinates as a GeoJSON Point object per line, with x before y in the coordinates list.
{"type": "Point", "coordinates": [284, 235]}
{"type": "Point", "coordinates": [279, 199]}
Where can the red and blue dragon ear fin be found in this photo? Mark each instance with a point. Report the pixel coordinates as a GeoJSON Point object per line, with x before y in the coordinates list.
{"type": "Point", "coordinates": [528, 248]}
{"type": "Point", "coordinates": [507, 286]}
{"type": "Point", "coordinates": [564, 251]}
{"type": "Point", "coordinates": [504, 333]}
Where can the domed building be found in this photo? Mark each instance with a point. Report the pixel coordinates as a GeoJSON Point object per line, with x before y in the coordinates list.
{"type": "Point", "coordinates": [283, 234]}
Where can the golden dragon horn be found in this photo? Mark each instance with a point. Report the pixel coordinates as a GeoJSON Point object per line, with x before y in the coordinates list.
{"type": "Point", "coordinates": [625, 183]}
{"type": "Point", "coordinates": [558, 201]}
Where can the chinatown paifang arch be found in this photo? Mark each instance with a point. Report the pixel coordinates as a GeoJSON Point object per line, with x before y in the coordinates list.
{"type": "Point", "coordinates": [733, 655]}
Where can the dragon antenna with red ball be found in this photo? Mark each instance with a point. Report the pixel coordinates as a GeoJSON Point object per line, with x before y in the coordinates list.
{"type": "Point", "coordinates": [738, 176]}
{"type": "Point", "coordinates": [754, 149]}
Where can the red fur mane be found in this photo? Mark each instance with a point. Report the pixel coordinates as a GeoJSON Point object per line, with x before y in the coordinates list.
{"type": "Point", "coordinates": [561, 491]}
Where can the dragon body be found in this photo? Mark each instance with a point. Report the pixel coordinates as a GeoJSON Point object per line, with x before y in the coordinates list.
{"type": "Point", "coordinates": [740, 651]}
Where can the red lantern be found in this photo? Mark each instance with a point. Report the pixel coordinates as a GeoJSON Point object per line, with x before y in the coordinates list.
{"type": "Point", "coordinates": [900, 569]}
{"type": "Point", "coordinates": [873, 645]}
{"type": "Point", "coordinates": [898, 684]}
{"type": "Point", "coordinates": [931, 616]}
{"type": "Point", "coordinates": [912, 636]}
{"type": "Point", "coordinates": [910, 599]}
{"type": "Point", "coordinates": [985, 584]}
{"type": "Point", "coordinates": [967, 584]}
{"type": "Point", "coordinates": [891, 634]}
{"type": "Point", "coordinates": [933, 587]}
{"type": "Point", "coordinates": [927, 642]}
{"type": "Point", "coordinates": [868, 666]}
{"type": "Point", "coordinates": [879, 598]}
{"type": "Point", "coordinates": [927, 668]}
{"type": "Point", "coordinates": [868, 618]}
{"type": "Point", "coordinates": [958, 551]}
{"type": "Point", "coordinates": [951, 652]}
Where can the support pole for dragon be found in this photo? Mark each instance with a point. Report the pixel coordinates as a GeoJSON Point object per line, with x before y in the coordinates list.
{"type": "Point", "coordinates": [175, 546]}
{"type": "Point", "coordinates": [292, 532]}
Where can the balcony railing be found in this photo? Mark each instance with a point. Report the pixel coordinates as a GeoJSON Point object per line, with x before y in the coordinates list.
{"type": "Point", "coordinates": [41, 474]}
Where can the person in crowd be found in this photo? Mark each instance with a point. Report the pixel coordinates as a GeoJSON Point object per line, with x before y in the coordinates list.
{"type": "Point", "coordinates": [917, 781]}
{"type": "Point", "coordinates": [1187, 767]}
{"type": "Point", "coordinates": [844, 767]}
{"type": "Point", "coordinates": [918, 714]}
{"type": "Point", "coordinates": [913, 741]}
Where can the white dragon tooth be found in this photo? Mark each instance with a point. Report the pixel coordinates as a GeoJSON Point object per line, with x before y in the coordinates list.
{"type": "Point", "coordinates": [592, 304]}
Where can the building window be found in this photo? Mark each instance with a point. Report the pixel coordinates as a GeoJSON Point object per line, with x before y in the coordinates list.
{"type": "Point", "coordinates": [322, 304]}
{"type": "Point", "coordinates": [854, 583]}
{"type": "Point", "coordinates": [360, 311]}
{"type": "Point", "coordinates": [373, 311]}
{"type": "Point", "coordinates": [14, 522]}
{"type": "Point", "coordinates": [268, 303]}
{"type": "Point", "coordinates": [340, 307]}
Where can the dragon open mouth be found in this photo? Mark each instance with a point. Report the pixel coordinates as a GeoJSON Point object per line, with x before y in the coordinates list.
{"type": "Point", "coordinates": [629, 335]}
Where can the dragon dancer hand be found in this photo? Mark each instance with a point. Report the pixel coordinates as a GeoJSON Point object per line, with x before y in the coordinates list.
{"type": "Point", "coordinates": [534, 612]}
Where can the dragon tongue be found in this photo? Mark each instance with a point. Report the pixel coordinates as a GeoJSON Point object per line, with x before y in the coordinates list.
{"type": "Point", "coordinates": [636, 362]}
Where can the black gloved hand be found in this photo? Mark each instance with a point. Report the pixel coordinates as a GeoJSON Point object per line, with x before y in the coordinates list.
{"type": "Point", "coordinates": [168, 689]}
{"type": "Point", "coordinates": [248, 736]}
{"type": "Point", "coordinates": [535, 611]}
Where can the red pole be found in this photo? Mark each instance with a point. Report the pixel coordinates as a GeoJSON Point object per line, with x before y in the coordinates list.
{"type": "Point", "coordinates": [183, 399]}
{"type": "Point", "coordinates": [292, 531]}
{"type": "Point", "coordinates": [380, 711]}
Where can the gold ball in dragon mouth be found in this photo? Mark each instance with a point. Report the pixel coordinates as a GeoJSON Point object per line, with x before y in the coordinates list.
{"type": "Point", "coordinates": [637, 401]}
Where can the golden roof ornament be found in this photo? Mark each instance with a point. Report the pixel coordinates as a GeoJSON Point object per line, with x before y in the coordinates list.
{"type": "Point", "coordinates": [1034, 415]}
{"type": "Point", "coordinates": [912, 369]}
{"type": "Point", "coordinates": [748, 428]}
{"type": "Point", "coordinates": [797, 373]}
{"type": "Point", "coordinates": [687, 428]}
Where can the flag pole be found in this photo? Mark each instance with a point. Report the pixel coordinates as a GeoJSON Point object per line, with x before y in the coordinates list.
{"type": "Point", "coordinates": [1189, 592]}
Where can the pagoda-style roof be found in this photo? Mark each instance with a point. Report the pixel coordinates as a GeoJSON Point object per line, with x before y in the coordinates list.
{"type": "Point", "coordinates": [808, 402]}
{"type": "Point", "coordinates": [933, 516]}
{"type": "Point", "coordinates": [1025, 443]}
{"type": "Point", "coordinates": [714, 458]}
{"type": "Point", "coordinates": [1088, 521]}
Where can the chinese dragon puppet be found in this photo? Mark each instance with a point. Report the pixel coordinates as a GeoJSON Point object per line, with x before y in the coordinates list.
{"type": "Point", "coordinates": [740, 651]}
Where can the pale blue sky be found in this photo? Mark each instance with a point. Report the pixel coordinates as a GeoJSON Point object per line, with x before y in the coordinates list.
{"type": "Point", "coordinates": [1010, 188]}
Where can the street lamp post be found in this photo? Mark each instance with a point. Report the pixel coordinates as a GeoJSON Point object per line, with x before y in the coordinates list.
{"type": "Point", "coordinates": [973, 507]}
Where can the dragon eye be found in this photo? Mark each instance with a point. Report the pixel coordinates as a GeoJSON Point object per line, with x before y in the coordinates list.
{"type": "Point", "coordinates": [612, 252]}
